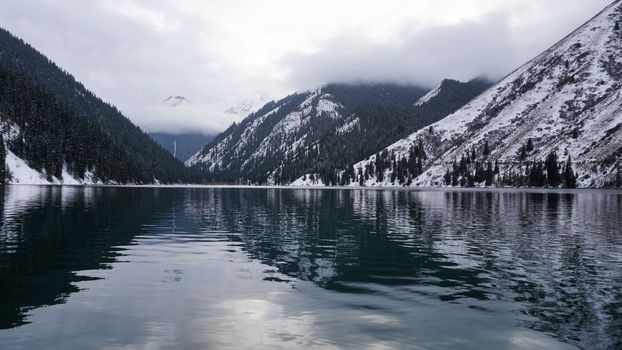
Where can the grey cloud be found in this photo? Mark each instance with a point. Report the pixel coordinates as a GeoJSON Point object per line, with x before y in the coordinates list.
{"type": "Point", "coordinates": [486, 48]}
{"type": "Point", "coordinates": [136, 62]}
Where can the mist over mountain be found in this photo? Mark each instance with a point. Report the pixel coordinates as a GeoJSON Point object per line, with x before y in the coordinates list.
{"type": "Point", "coordinates": [182, 146]}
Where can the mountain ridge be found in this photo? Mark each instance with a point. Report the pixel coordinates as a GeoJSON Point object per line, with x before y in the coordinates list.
{"type": "Point", "coordinates": [565, 102]}
{"type": "Point", "coordinates": [322, 130]}
{"type": "Point", "coordinates": [45, 146]}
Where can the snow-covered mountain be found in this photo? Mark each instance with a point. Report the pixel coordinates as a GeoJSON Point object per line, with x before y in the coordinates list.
{"type": "Point", "coordinates": [324, 130]}
{"type": "Point", "coordinates": [565, 104]}
{"type": "Point", "coordinates": [254, 149]}
{"type": "Point", "coordinates": [243, 109]}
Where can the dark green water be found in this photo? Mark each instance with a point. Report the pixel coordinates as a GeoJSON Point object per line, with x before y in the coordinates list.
{"type": "Point", "coordinates": [145, 268]}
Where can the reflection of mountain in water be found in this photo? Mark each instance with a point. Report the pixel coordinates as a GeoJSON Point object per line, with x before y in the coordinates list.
{"type": "Point", "coordinates": [549, 261]}
{"type": "Point", "coordinates": [48, 234]}
{"type": "Point", "coordinates": [536, 249]}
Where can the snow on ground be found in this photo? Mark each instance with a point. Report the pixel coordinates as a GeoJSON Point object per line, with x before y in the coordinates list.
{"type": "Point", "coordinates": [327, 107]}
{"type": "Point", "coordinates": [350, 124]}
{"type": "Point", "coordinates": [567, 100]}
{"type": "Point", "coordinates": [20, 173]}
{"type": "Point", "coordinates": [430, 95]}
{"type": "Point", "coordinates": [305, 181]}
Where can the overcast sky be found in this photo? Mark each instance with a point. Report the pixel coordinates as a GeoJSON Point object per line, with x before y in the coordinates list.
{"type": "Point", "coordinates": [218, 53]}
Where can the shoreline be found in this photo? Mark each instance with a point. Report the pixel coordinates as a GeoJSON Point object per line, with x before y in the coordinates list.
{"type": "Point", "coordinates": [338, 188]}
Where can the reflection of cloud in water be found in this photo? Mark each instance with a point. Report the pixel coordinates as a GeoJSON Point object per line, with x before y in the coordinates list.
{"type": "Point", "coordinates": [157, 335]}
{"type": "Point", "coordinates": [258, 324]}
{"type": "Point", "coordinates": [19, 198]}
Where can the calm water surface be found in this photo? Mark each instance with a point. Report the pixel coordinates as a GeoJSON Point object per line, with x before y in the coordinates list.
{"type": "Point", "coordinates": [214, 268]}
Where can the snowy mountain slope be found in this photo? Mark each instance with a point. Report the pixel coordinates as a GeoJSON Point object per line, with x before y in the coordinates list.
{"type": "Point", "coordinates": [373, 127]}
{"type": "Point", "coordinates": [249, 139]}
{"type": "Point", "coordinates": [568, 100]}
{"type": "Point", "coordinates": [430, 95]}
{"type": "Point", "coordinates": [19, 172]}
{"type": "Point", "coordinates": [256, 149]}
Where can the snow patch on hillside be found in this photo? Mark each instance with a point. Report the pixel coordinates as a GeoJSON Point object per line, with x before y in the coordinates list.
{"type": "Point", "coordinates": [349, 125]}
{"type": "Point", "coordinates": [20, 173]}
{"type": "Point", "coordinates": [311, 180]}
{"type": "Point", "coordinates": [427, 97]}
{"type": "Point", "coordinates": [248, 106]}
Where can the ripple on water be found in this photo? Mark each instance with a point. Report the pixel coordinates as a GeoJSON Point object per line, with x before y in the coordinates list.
{"type": "Point", "coordinates": [218, 268]}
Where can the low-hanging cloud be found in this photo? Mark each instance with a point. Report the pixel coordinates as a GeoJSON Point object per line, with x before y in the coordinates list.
{"type": "Point", "coordinates": [487, 48]}
{"type": "Point", "coordinates": [216, 53]}
{"type": "Point", "coordinates": [423, 58]}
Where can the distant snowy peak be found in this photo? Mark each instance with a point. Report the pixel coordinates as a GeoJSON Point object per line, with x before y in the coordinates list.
{"type": "Point", "coordinates": [175, 101]}
{"type": "Point", "coordinates": [243, 109]}
{"type": "Point", "coordinates": [568, 100]}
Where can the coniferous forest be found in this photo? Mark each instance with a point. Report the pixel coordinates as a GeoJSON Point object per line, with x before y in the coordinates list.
{"type": "Point", "coordinates": [380, 115]}
{"type": "Point", "coordinates": [52, 121]}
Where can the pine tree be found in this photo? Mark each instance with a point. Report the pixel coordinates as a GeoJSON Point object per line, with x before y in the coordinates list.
{"type": "Point", "coordinates": [570, 178]}
{"type": "Point", "coordinates": [529, 148]}
{"type": "Point", "coordinates": [616, 26]}
{"type": "Point", "coordinates": [2, 161]}
{"type": "Point", "coordinates": [380, 166]}
{"type": "Point", "coordinates": [522, 153]}
{"type": "Point", "coordinates": [490, 174]}
{"type": "Point", "coordinates": [536, 177]}
{"type": "Point", "coordinates": [486, 149]}
{"type": "Point", "coordinates": [422, 153]}
{"type": "Point", "coordinates": [552, 170]}
{"type": "Point", "coordinates": [447, 177]}
{"type": "Point", "coordinates": [352, 173]}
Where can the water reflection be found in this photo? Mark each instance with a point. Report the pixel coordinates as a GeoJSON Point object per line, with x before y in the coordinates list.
{"type": "Point", "coordinates": [47, 234]}
{"type": "Point", "coordinates": [556, 254]}
{"type": "Point", "coordinates": [210, 267]}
